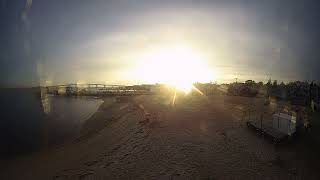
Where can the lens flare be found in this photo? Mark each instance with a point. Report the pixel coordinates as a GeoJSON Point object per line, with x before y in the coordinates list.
{"type": "Point", "coordinates": [177, 66]}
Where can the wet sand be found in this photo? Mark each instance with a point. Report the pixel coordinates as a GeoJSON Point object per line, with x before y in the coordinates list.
{"type": "Point", "coordinates": [197, 138]}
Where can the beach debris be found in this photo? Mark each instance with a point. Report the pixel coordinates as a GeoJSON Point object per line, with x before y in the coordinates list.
{"type": "Point", "coordinates": [90, 163]}
{"type": "Point", "coordinates": [141, 106]}
{"type": "Point", "coordinates": [147, 116]}
{"type": "Point", "coordinates": [123, 106]}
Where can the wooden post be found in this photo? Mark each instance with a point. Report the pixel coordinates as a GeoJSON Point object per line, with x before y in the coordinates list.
{"type": "Point", "coordinates": [278, 119]}
{"type": "Point", "coordinates": [261, 121]}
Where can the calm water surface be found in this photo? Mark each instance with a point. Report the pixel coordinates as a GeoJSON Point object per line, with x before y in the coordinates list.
{"type": "Point", "coordinates": [67, 114]}
{"type": "Point", "coordinates": [30, 122]}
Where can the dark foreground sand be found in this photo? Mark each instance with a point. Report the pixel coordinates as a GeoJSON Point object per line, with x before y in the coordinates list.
{"type": "Point", "coordinates": [197, 138]}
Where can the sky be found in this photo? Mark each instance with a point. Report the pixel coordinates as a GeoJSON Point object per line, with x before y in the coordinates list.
{"type": "Point", "coordinates": [46, 42]}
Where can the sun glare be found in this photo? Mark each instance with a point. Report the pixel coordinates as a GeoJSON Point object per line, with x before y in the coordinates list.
{"type": "Point", "coordinates": [179, 67]}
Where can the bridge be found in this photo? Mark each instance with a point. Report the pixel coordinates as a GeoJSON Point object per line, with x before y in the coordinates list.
{"type": "Point", "coordinates": [98, 90]}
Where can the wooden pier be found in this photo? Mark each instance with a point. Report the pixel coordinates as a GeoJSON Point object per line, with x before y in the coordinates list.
{"type": "Point", "coordinates": [98, 90]}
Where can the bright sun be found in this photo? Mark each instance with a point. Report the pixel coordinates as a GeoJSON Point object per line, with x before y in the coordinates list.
{"type": "Point", "coordinates": [177, 66]}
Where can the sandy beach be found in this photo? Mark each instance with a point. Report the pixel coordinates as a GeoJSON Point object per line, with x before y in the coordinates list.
{"type": "Point", "coordinates": [147, 137]}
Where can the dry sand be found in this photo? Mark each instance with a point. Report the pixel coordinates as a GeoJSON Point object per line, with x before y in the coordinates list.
{"type": "Point", "coordinates": [197, 138]}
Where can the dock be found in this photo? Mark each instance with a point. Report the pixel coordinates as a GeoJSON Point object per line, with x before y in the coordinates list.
{"type": "Point", "coordinates": [267, 131]}
{"type": "Point", "coordinates": [262, 123]}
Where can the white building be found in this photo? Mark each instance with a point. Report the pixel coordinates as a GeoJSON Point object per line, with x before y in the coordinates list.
{"type": "Point", "coordinates": [284, 123]}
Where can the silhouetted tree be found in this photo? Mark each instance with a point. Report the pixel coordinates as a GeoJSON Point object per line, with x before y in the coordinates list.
{"type": "Point", "coordinates": [275, 83]}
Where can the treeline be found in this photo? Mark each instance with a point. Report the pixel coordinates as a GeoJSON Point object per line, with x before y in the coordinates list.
{"type": "Point", "coordinates": [298, 92]}
{"type": "Point", "coordinates": [249, 88]}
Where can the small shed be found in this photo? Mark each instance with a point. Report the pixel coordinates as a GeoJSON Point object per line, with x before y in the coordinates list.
{"type": "Point", "coordinates": [284, 123]}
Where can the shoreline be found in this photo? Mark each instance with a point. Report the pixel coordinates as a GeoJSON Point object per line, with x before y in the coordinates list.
{"type": "Point", "coordinates": [199, 137]}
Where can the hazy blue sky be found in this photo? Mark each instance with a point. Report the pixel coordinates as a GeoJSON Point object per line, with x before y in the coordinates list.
{"type": "Point", "coordinates": [55, 42]}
